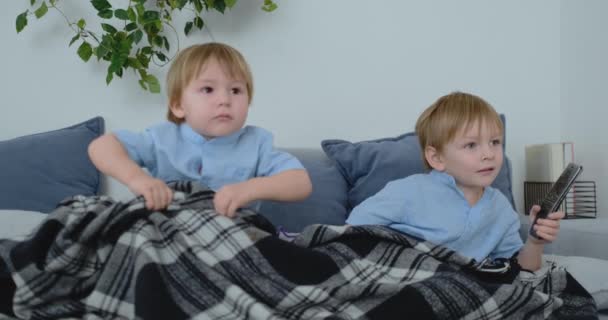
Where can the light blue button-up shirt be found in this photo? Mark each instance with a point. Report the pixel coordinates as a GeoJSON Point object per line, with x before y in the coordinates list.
{"type": "Point", "coordinates": [172, 152]}
{"type": "Point", "coordinates": [431, 207]}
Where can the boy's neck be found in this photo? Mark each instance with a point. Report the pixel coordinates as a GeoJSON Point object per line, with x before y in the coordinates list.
{"type": "Point", "coordinates": [472, 196]}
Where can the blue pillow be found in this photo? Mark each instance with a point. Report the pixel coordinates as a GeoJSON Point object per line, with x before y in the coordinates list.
{"type": "Point", "coordinates": [39, 170]}
{"type": "Point", "coordinates": [368, 165]}
{"type": "Point", "coordinates": [327, 203]}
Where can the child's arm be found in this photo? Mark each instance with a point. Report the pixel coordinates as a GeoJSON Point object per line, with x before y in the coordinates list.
{"type": "Point", "coordinates": [289, 185]}
{"type": "Point", "coordinates": [111, 158]}
{"type": "Point", "coordinates": [530, 256]}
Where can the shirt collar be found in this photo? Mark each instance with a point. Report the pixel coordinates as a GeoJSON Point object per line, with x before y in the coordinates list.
{"type": "Point", "coordinates": [448, 180]}
{"type": "Point", "coordinates": [444, 178]}
{"type": "Point", "coordinates": [189, 134]}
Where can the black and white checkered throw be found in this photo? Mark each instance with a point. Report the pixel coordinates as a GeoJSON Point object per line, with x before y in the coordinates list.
{"type": "Point", "coordinates": [97, 258]}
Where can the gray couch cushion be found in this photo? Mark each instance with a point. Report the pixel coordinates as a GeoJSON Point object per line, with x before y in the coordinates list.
{"type": "Point", "coordinates": [39, 170]}
{"type": "Point", "coordinates": [326, 204]}
{"type": "Point", "coordinates": [369, 165]}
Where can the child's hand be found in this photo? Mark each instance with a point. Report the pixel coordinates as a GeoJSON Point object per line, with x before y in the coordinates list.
{"type": "Point", "coordinates": [155, 191]}
{"type": "Point", "coordinates": [547, 228]}
{"type": "Point", "coordinates": [231, 197]}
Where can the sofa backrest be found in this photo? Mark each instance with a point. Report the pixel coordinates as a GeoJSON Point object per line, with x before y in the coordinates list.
{"type": "Point", "coordinates": [326, 205]}
{"type": "Point", "coordinates": [329, 203]}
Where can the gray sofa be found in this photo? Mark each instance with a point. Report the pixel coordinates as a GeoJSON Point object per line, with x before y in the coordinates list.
{"type": "Point", "coordinates": [40, 169]}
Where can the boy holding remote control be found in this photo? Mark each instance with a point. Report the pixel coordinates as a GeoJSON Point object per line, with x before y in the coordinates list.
{"type": "Point", "coordinates": [461, 137]}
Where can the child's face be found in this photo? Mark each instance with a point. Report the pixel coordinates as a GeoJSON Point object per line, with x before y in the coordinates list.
{"type": "Point", "coordinates": [213, 104]}
{"type": "Point", "coordinates": [474, 158]}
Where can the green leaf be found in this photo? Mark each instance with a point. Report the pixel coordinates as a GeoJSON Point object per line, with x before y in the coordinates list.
{"type": "Point", "coordinates": [219, 5]}
{"type": "Point", "coordinates": [32, 2]}
{"type": "Point", "coordinates": [161, 56]}
{"type": "Point", "coordinates": [108, 28]}
{"type": "Point", "coordinates": [269, 6]}
{"type": "Point", "coordinates": [199, 23]}
{"type": "Point", "coordinates": [188, 27]}
{"type": "Point", "coordinates": [167, 15]}
{"type": "Point", "coordinates": [142, 83]}
{"type": "Point", "coordinates": [181, 4]}
{"type": "Point", "coordinates": [230, 3]}
{"type": "Point", "coordinates": [151, 28]}
{"type": "Point", "coordinates": [76, 37]}
{"type": "Point", "coordinates": [137, 36]}
{"type": "Point", "coordinates": [158, 25]}
{"type": "Point", "coordinates": [106, 14]}
{"type": "Point", "coordinates": [85, 51]}
{"type": "Point", "coordinates": [142, 73]}
{"type": "Point", "coordinates": [52, 2]}
{"type": "Point", "coordinates": [158, 41]}
{"type": "Point", "coordinates": [102, 50]}
{"type": "Point", "coordinates": [151, 15]}
{"type": "Point", "coordinates": [115, 63]}
{"type": "Point", "coordinates": [143, 59]}
{"type": "Point", "coordinates": [81, 23]}
{"type": "Point", "coordinates": [124, 44]}
{"type": "Point", "coordinates": [131, 14]}
{"type": "Point", "coordinates": [140, 10]}
{"type": "Point", "coordinates": [166, 42]}
{"type": "Point", "coordinates": [40, 12]}
{"type": "Point", "coordinates": [153, 83]}
{"type": "Point", "coordinates": [198, 6]}
{"type": "Point", "coordinates": [101, 5]}
{"type": "Point", "coordinates": [109, 77]}
{"type": "Point", "coordinates": [131, 26]}
{"type": "Point", "coordinates": [21, 21]}
{"type": "Point", "coordinates": [121, 14]}
{"type": "Point", "coordinates": [134, 63]}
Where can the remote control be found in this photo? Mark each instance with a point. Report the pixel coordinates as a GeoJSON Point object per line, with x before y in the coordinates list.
{"type": "Point", "coordinates": [557, 193]}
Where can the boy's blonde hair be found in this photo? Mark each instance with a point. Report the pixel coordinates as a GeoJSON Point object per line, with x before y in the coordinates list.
{"type": "Point", "coordinates": [440, 122]}
{"type": "Point", "coordinates": [189, 62]}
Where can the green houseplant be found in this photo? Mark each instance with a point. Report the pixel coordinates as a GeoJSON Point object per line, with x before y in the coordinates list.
{"type": "Point", "coordinates": [134, 35]}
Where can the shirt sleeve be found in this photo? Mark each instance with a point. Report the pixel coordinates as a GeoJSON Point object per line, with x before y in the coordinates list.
{"type": "Point", "coordinates": [511, 242]}
{"type": "Point", "coordinates": [273, 161]}
{"type": "Point", "coordinates": [387, 207]}
{"type": "Point", "coordinates": [140, 147]}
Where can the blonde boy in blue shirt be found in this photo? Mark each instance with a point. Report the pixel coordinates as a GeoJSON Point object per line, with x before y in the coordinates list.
{"type": "Point", "coordinates": [461, 136]}
{"type": "Point", "coordinates": [210, 87]}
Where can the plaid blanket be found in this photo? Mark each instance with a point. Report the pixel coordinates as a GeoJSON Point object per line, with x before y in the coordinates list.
{"type": "Point", "coordinates": [97, 258]}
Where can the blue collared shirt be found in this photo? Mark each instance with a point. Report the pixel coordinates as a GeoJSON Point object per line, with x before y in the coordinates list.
{"type": "Point", "coordinates": [431, 207]}
{"type": "Point", "coordinates": [172, 152]}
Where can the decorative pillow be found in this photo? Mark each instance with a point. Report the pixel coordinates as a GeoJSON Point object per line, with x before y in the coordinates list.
{"type": "Point", "coordinates": [327, 203]}
{"type": "Point", "coordinates": [368, 165]}
{"type": "Point", "coordinates": [39, 170]}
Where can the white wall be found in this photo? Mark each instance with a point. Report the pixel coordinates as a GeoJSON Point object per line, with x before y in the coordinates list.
{"type": "Point", "coordinates": [323, 69]}
{"type": "Point", "coordinates": [584, 83]}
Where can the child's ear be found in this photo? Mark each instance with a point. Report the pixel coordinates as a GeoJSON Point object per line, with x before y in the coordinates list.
{"type": "Point", "coordinates": [177, 110]}
{"type": "Point", "coordinates": [434, 158]}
